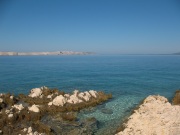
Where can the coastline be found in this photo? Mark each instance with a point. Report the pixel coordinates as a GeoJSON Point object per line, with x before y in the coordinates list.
{"type": "Point", "coordinates": [44, 53]}
{"type": "Point", "coordinates": [156, 115]}
{"type": "Point", "coordinates": [48, 111]}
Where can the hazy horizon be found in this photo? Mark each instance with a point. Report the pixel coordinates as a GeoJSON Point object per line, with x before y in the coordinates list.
{"type": "Point", "coordinates": [103, 26]}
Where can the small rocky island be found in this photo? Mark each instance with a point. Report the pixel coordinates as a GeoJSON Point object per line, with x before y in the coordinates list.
{"type": "Point", "coordinates": [48, 111]}
{"type": "Point", "coordinates": [155, 116]}
{"type": "Point", "coordinates": [44, 53]}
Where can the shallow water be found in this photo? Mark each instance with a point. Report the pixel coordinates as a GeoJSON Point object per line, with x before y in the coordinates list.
{"type": "Point", "coordinates": [130, 78]}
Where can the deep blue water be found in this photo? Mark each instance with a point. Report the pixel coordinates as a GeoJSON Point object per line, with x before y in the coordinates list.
{"type": "Point", "coordinates": [130, 78]}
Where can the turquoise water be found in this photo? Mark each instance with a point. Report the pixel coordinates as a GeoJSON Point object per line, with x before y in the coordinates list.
{"type": "Point", "coordinates": [130, 78]}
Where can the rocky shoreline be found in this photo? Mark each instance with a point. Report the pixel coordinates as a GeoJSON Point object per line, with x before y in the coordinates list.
{"type": "Point", "coordinates": [48, 111]}
{"type": "Point", "coordinates": [155, 116]}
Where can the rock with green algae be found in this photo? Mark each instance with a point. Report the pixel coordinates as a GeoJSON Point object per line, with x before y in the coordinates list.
{"type": "Point", "coordinates": [176, 99]}
{"type": "Point", "coordinates": [87, 126]}
{"type": "Point", "coordinates": [18, 113]}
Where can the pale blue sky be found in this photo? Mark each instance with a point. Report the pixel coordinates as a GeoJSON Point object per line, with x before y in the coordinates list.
{"type": "Point", "coordinates": [102, 26]}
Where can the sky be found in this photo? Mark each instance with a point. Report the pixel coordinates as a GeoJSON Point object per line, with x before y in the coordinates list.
{"type": "Point", "coordinates": [101, 26]}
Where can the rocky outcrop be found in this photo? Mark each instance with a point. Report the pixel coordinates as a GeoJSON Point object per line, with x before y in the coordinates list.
{"type": "Point", "coordinates": [155, 116]}
{"type": "Point", "coordinates": [176, 99]}
{"type": "Point", "coordinates": [58, 101]}
{"type": "Point", "coordinates": [34, 108]}
{"type": "Point", "coordinates": [36, 92]}
{"type": "Point", "coordinates": [18, 107]}
{"type": "Point", "coordinates": [26, 111]}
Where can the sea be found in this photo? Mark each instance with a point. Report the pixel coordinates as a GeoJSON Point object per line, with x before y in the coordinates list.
{"type": "Point", "coordinates": [130, 78]}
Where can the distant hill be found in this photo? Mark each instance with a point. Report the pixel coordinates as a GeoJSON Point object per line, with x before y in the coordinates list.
{"type": "Point", "coordinates": [177, 53]}
{"type": "Point", "coordinates": [44, 53]}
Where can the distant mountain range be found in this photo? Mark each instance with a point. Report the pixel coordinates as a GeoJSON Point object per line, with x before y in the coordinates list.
{"type": "Point", "coordinates": [44, 53]}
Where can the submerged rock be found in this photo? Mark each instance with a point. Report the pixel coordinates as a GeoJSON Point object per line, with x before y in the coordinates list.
{"type": "Point", "coordinates": [154, 116]}
{"type": "Point", "coordinates": [89, 110]}
{"type": "Point", "coordinates": [101, 106]}
{"type": "Point", "coordinates": [107, 111]}
{"type": "Point", "coordinates": [86, 126]}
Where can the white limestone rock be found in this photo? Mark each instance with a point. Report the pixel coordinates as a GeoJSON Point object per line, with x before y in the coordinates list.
{"type": "Point", "coordinates": [59, 101]}
{"type": "Point", "coordinates": [10, 115]}
{"type": "Point", "coordinates": [25, 129]}
{"type": "Point", "coordinates": [75, 92]}
{"type": "Point", "coordinates": [43, 87]}
{"type": "Point", "coordinates": [29, 130]}
{"type": "Point", "coordinates": [93, 93]}
{"type": "Point", "coordinates": [50, 96]}
{"type": "Point", "coordinates": [19, 107]}
{"type": "Point", "coordinates": [151, 98]}
{"type": "Point", "coordinates": [1, 100]}
{"type": "Point", "coordinates": [87, 96]}
{"type": "Point", "coordinates": [50, 103]}
{"type": "Point", "coordinates": [67, 95]}
{"type": "Point", "coordinates": [74, 99]}
{"type": "Point", "coordinates": [81, 95]}
{"type": "Point", "coordinates": [36, 92]}
{"type": "Point", "coordinates": [7, 111]}
{"type": "Point", "coordinates": [156, 116]}
{"type": "Point", "coordinates": [34, 108]}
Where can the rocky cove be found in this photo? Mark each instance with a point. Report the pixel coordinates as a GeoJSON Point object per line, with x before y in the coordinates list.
{"type": "Point", "coordinates": [46, 111]}
{"type": "Point", "coordinates": [49, 111]}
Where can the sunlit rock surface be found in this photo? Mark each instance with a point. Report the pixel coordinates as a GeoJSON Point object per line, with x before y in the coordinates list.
{"type": "Point", "coordinates": [34, 108]}
{"type": "Point", "coordinates": [36, 92]}
{"type": "Point", "coordinates": [59, 101]}
{"type": "Point", "coordinates": [155, 116]}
